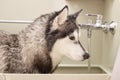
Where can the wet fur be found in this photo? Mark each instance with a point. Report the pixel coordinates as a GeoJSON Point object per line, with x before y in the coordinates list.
{"type": "Point", "coordinates": [29, 51]}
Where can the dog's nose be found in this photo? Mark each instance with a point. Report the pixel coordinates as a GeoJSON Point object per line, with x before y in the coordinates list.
{"type": "Point", "coordinates": [86, 56]}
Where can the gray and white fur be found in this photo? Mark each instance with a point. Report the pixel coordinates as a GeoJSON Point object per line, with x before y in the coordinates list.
{"type": "Point", "coordinates": [40, 47]}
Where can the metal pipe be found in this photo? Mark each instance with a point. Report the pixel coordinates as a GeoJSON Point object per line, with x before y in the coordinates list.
{"type": "Point", "coordinates": [16, 21]}
{"type": "Point", "coordinates": [106, 27]}
{"type": "Point", "coordinates": [87, 26]}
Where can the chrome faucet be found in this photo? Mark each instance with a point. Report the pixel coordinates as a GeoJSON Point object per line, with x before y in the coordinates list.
{"type": "Point", "coordinates": [99, 24]}
{"type": "Point", "coordinates": [98, 19]}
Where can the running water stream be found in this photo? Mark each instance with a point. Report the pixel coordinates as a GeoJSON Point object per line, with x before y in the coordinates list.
{"type": "Point", "coordinates": [89, 33]}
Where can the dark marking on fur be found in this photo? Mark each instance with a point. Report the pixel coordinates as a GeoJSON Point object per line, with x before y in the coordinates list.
{"type": "Point", "coordinates": [65, 29]}
{"type": "Point", "coordinates": [43, 65]}
{"type": "Point", "coordinates": [81, 45]}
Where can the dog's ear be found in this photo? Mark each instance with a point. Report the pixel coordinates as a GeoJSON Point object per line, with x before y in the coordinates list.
{"type": "Point", "coordinates": [61, 17]}
{"type": "Point", "coordinates": [75, 15]}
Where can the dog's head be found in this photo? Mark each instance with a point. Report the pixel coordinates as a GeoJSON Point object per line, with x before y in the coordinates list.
{"type": "Point", "coordinates": [63, 35]}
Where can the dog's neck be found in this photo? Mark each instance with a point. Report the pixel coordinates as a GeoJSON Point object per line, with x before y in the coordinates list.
{"type": "Point", "coordinates": [57, 53]}
{"type": "Point", "coordinates": [33, 42]}
{"type": "Point", "coordinates": [35, 32]}
{"type": "Point", "coordinates": [56, 59]}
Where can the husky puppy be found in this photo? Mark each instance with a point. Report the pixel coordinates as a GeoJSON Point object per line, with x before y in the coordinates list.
{"type": "Point", "coordinates": [40, 47]}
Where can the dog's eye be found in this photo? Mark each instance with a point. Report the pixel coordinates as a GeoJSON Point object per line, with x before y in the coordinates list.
{"type": "Point", "coordinates": [71, 37]}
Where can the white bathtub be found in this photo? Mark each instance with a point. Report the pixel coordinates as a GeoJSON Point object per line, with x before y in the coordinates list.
{"type": "Point", "coordinates": [63, 73]}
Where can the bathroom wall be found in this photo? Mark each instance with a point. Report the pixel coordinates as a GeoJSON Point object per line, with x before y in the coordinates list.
{"type": "Point", "coordinates": [30, 9]}
{"type": "Point", "coordinates": [22, 10]}
{"type": "Point", "coordinates": [111, 42]}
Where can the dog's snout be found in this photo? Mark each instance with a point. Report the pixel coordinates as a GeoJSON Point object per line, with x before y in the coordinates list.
{"type": "Point", "coordinates": [86, 56]}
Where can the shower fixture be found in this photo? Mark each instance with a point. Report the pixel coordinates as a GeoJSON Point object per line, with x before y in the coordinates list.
{"type": "Point", "coordinates": [99, 25]}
